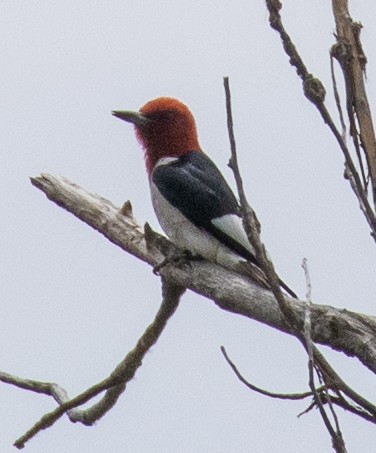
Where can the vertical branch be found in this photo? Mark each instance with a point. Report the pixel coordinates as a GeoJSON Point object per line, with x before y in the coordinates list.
{"type": "Point", "coordinates": [252, 228]}
{"type": "Point", "coordinates": [337, 98]}
{"type": "Point", "coordinates": [349, 53]}
{"type": "Point", "coordinates": [335, 433]}
{"type": "Point", "coordinates": [251, 223]}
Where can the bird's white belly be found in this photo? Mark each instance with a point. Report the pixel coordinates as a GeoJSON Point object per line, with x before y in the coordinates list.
{"type": "Point", "coordinates": [186, 235]}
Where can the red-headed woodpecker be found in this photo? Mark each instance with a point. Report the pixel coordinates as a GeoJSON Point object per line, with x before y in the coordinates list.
{"type": "Point", "coordinates": [193, 202]}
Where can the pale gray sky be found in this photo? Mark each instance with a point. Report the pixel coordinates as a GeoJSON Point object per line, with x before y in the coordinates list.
{"type": "Point", "coordinates": [73, 304]}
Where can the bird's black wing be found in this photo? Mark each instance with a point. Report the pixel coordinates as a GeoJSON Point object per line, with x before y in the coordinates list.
{"type": "Point", "coordinates": [195, 186]}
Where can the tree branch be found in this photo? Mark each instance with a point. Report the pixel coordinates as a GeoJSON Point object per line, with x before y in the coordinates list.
{"type": "Point", "coordinates": [315, 92]}
{"type": "Point", "coordinates": [351, 333]}
{"type": "Point", "coordinates": [114, 385]}
{"type": "Point", "coordinates": [301, 331]}
{"type": "Point", "coordinates": [281, 396]}
{"type": "Point", "coordinates": [349, 52]}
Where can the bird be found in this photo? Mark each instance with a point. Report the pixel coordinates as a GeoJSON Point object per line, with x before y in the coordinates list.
{"type": "Point", "coordinates": [193, 202]}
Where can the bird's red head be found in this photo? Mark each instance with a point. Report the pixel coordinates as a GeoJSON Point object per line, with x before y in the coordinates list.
{"type": "Point", "coordinates": [165, 127]}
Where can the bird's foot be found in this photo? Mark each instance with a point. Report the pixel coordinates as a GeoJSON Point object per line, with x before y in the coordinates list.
{"type": "Point", "coordinates": [178, 259]}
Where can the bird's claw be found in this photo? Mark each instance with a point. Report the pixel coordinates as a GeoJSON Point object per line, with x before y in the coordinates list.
{"type": "Point", "coordinates": [178, 259]}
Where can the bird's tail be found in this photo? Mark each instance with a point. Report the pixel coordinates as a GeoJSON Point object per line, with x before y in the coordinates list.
{"type": "Point", "coordinates": [258, 276]}
{"type": "Point", "coordinates": [288, 290]}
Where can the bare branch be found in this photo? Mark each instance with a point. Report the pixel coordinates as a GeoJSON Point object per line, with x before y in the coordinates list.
{"type": "Point", "coordinates": [338, 401]}
{"type": "Point", "coordinates": [350, 55]}
{"type": "Point", "coordinates": [281, 396]}
{"type": "Point", "coordinates": [335, 433]}
{"type": "Point", "coordinates": [252, 225]}
{"type": "Point", "coordinates": [252, 228]}
{"type": "Point", "coordinates": [315, 92]}
{"type": "Point", "coordinates": [337, 98]}
{"type": "Point", "coordinates": [47, 388]}
{"type": "Point", "coordinates": [351, 333]}
{"type": "Point", "coordinates": [115, 384]}
{"type": "Point", "coordinates": [338, 52]}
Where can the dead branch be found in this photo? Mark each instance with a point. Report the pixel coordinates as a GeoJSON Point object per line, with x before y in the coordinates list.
{"type": "Point", "coordinates": [301, 331]}
{"type": "Point", "coordinates": [281, 396]}
{"type": "Point", "coordinates": [114, 385]}
{"type": "Point", "coordinates": [315, 92]}
{"type": "Point", "coordinates": [351, 333]}
{"type": "Point", "coordinates": [337, 400]}
{"type": "Point", "coordinates": [348, 332]}
{"type": "Point", "coordinates": [349, 52]}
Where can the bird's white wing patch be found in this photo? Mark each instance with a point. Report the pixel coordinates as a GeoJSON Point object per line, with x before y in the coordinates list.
{"type": "Point", "coordinates": [232, 225]}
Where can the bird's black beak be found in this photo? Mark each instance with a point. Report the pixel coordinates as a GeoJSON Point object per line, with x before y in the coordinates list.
{"type": "Point", "coordinates": [135, 118]}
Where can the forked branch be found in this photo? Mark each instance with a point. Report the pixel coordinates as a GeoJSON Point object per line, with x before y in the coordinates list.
{"type": "Point", "coordinates": [113, 386]}
{"type": "Point", "coordinates": [315, 91]}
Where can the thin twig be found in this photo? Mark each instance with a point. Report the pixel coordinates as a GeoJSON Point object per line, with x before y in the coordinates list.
{"type": "Point", "coordinates": [337, 98]}
{"type": "Point", "coordinates": [250, 221]}
{"type": "Point", "coordinates": [338, 401]}
{"type": "Point", "coordinates": [335, 433]}
{"type": "Point", "coordinates": [282, 396]}
{"type": "Point", "coordinates": [357, 185]}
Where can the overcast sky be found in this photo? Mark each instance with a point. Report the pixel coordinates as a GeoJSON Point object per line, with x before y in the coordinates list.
{"type": "Point", "coordinates": [73, 304]}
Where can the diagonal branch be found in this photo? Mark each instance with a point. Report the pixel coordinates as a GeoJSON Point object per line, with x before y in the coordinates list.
{"type": "Point", "coordinates": [315, 93]}
{"type": "Point", "coordinates": [351, 333]}
{"type": "Point", "coordinates": [114, 385]}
